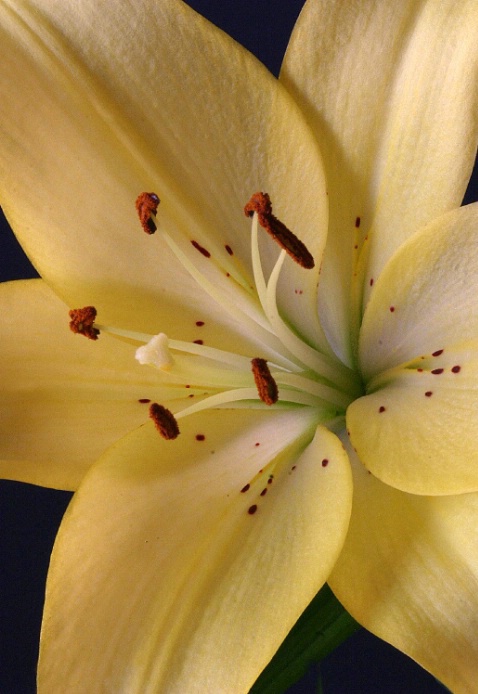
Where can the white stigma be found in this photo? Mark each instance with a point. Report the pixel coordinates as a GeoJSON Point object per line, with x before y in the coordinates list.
{"type": "Point", "coordinates": [156, 352]}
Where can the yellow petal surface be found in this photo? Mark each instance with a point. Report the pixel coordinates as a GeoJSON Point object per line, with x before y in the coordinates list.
{"type": "Point", "coordinates": [148, 96]}
{"type": "Point", "coordinates": [419, 430]}
{"type": "Point", "coordinates": [391, 89]}
{"type": "Point", "coordinates": [64, 399]}
{"type": "Point", "coordinates": [416, 428]}
{"type": "Point", "coordinates": [162, 578]}
{"type": "Point", "coordinates": [409, 573]}
{"type": "Point", "coordinates": [431, 284]}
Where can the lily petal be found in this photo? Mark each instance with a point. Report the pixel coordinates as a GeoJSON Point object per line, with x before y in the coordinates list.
{"type": "Point", "coordinates": [64, 399]}
{"type": "Point", "coordinates": [419, 355]}
{"type": "Point", "coordinates": [409, 573]}
{"type": "Point", "coordinates": [391, 90]}
{"type": "Point", "coordinates": [418, 431]}
{"type": "Point", "coordinates": [197, 576]}
{"type": "Point", "coordinates": [430, 283]}
{"type": "Point", "coordinates": [155, 98]}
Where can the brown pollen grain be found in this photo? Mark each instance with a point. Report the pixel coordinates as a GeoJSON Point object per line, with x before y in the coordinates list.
{"type": "Point", "coordinates": [146, 207]}
{"type": "Point", "coordinates": [82, 322]}
{"type": "Point", "coordinates": [265, 384]}
{"type": "Point", "coordinates": [260, 203]}
{"type": "Point", "coordinates": [164, 421]}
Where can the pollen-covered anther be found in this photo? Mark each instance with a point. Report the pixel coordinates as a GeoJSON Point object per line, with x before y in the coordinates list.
{"type": "Point", "coordinates": [82, 320]}
{"type": "Point", "coordinates": [265, 384]}
{"type": "Point", "coordinates": [164, 421]}
{"type": "Point", "coordinates": [260, 204]}
{"type": "Point", "coordinates": [147, 206]}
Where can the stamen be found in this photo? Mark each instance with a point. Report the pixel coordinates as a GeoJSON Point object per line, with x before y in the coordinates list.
{"type": "Point", "coordinates": [147, 205]}
{"type": "Point", "coordinates": [222, 379]}
{"type": "Point", "coordinates": [249, 314]}
{"type": "Point", "coordinates": [338, 374]}
{"type": "Point", "coordinates": [82, 320]}
{"type": "Point", "coordinates": [164, 421]}
{"type": "Point", "coordinates": [260, 204]}
{"type": "Point", "coordinates": [319, 390]}
{"type": "Point", "coordinates": [237, 398]}
{"type": "Point", "coordinates": [266, 386]}
{"type": "Point", "coordinates": [256, 323]}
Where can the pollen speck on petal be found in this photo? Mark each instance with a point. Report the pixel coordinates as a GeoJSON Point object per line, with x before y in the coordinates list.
{"type": "Point", "coordinates": [201, 249]}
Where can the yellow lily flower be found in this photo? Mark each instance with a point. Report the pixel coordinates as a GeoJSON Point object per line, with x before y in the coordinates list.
{"type": "Point", "coordinates": [182, 564]}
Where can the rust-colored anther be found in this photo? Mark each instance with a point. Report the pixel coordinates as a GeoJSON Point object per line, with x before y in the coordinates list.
{"type": "Point", "coordinates": [261, 204]}
{"type": "Point", "coordinates": [164, 421]}
{"type": "Point", "coordinates": [147, 206]}
{"type": "Point", "coordinates": [265, 384]}
{"type": "Point", "coordinates": [82, 320]}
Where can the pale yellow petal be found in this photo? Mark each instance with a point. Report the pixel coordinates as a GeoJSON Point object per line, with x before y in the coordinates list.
{"type": "Point", "coordinates": [103, 100]}
{"type": "Point", "coordinates": [409, 573]}
{"type": "Point", "coordinates": [162, 578]}
{"type": "Point", "coordinates": [391, 90]}
{"type": "Point", "coordinates": [418, 428]}
{"type": "Point", "coordinates": [425, 299]}
{"type": "Point", "coordinates": [64, 399]}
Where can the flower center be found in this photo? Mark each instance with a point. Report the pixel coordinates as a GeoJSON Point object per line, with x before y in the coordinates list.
{"type": "Point", "coordinates": [295, 373]}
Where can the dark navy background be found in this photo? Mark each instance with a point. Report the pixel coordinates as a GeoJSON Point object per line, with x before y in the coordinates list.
{"type": "Point", "coordinates": [29, 516]}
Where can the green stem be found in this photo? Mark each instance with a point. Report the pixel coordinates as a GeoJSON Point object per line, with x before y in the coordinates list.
{"type": "Point", "coordinates": [323, 626]}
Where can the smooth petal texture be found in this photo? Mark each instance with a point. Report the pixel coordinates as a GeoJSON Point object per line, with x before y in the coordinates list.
{"type": "Point", "coordinates": [431, 285]}
{"type": "Point", "coordinates": [391, 91]}
{"type": "Point", "coordinates": [180, 588]}
{"type": "Point", "coordinates": [154, 98]}
{"type": "Point", "coordinates": [417, 429]}
{"type": "Point", "coordinates": [409, 573]}
{"type": "Point", "coordinates": [64, 399]}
